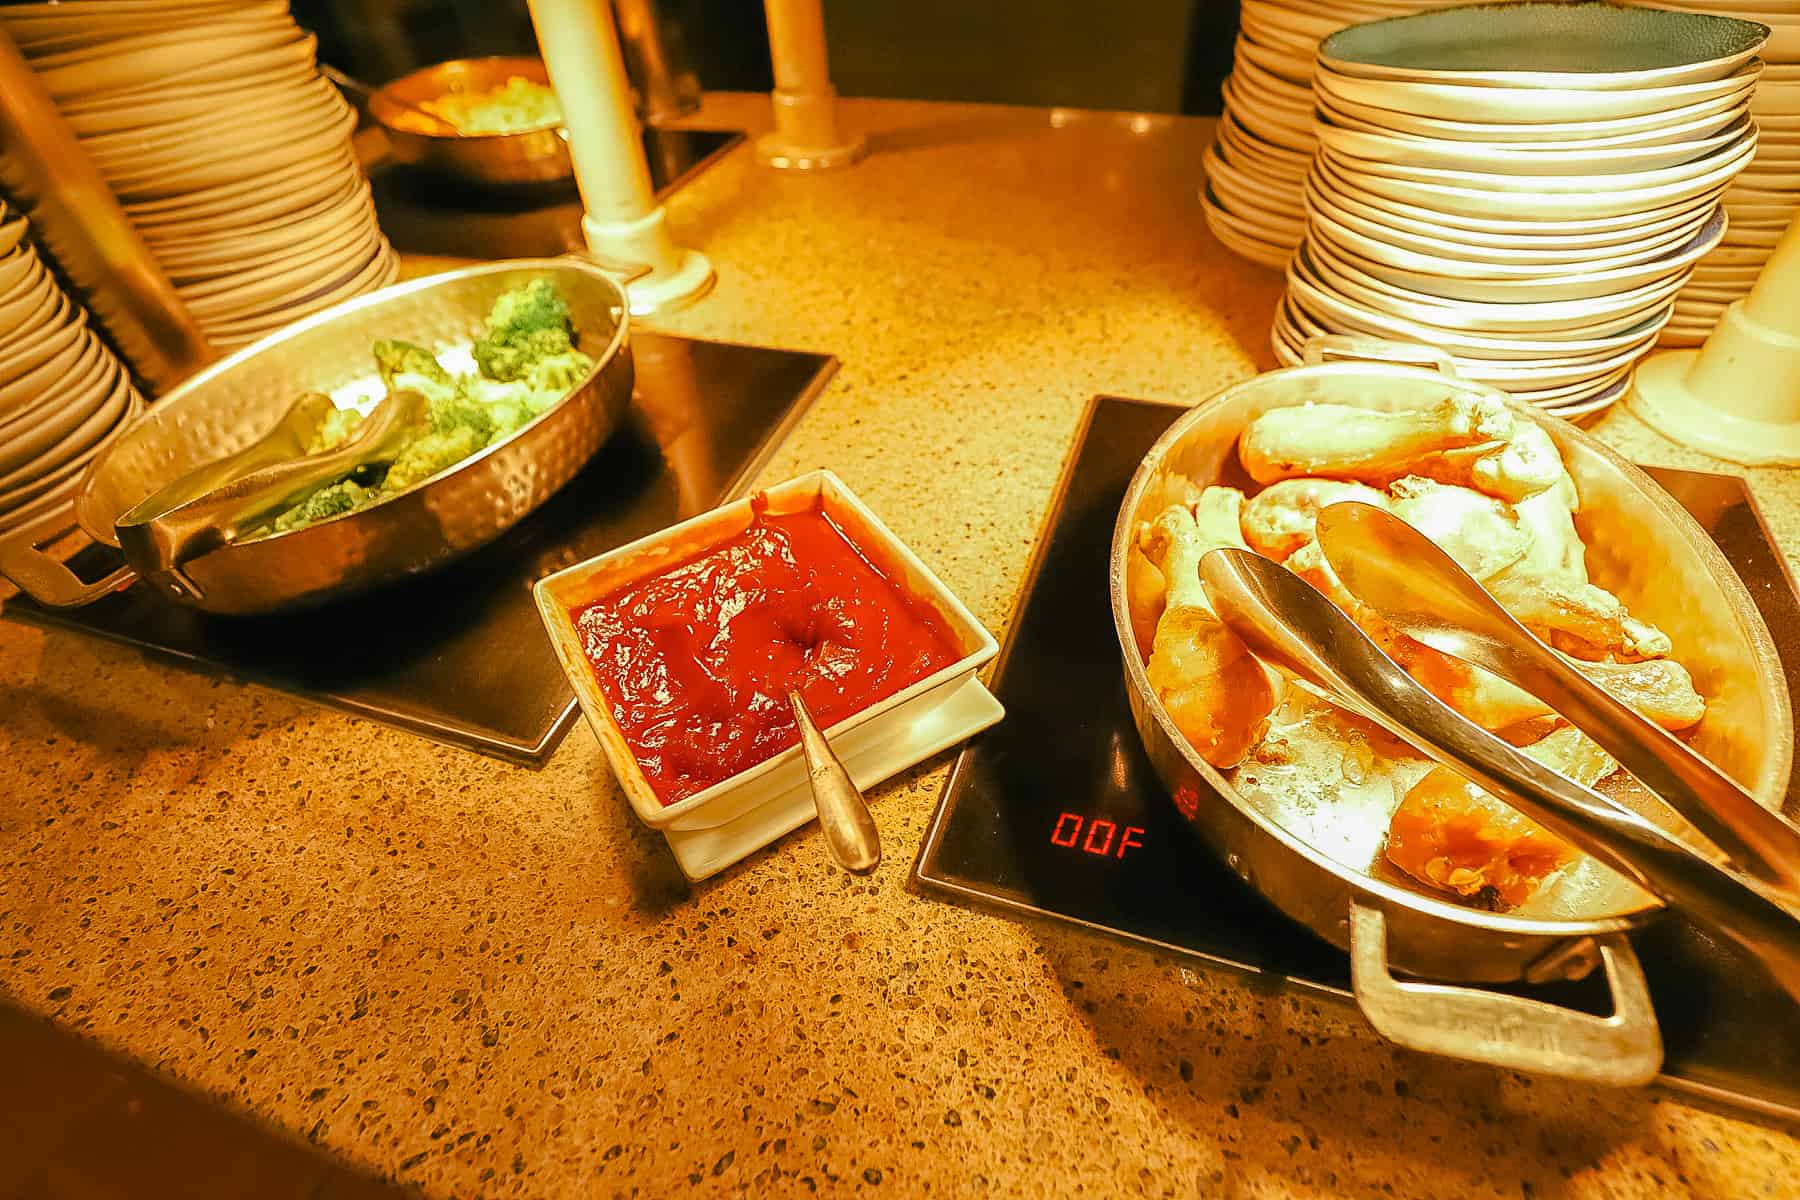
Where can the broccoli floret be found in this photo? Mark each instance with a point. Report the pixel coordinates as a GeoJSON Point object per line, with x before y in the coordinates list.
{"type": "Point", "coordinates": [558, 373]}
{"type": "Point", "coordinates": [459, 410]}
{"type": "Point", "coordinates": [509, 415]}
{"type": "Point", "coordinates": [335, 430]}
{"type": "Point", "coordinates": [525, 324]}
{"type": "Point", "coordinates": [395, 358]}
{"type": "Point", "coordinates": [430, 453]}
{"type": "Point", "coordinates": [332, 500]}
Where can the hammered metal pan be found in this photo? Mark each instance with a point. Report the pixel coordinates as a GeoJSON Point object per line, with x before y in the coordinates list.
{"type": "Point", "coordinates": [240, 398]}
{"type": "Point", "coordinates": [1641, 545]}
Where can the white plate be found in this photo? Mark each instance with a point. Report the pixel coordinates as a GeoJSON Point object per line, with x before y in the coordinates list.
{"type": "Point", "coordinates": [1516, 224]}
{"type": "Point", "coordinates": [284, 190]}
{"type": "Point", "coordinates": [1512, 160]}
{"type": "Point", "coordinates": [1583, 283]}
{"type": "Point", "coordinates": [1594, 317]}
{"type": "Point", "coordinates": [1602, 203]}
{"type": "Point", "coordinates": [1517, 236]}
{"type": "Point", "coordinates": [1452, 102]}
{"type": "Point", "coordinates": [1694, 120]}
{"type": "Point", "coordinates": [1741, 146]}
{"type": "Point", "coordinates": [1556, 46]}
{"type": "Point", "coordinates": [1266, 254]}
{"type": "Point", "coordinates": [1411, 252]}
{"type": "Point", "coordinates": [132, 64]}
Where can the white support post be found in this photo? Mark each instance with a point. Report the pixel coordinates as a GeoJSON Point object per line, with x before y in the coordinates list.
{"type": "Point", "coordinates": [806, 136]}
{"type": "Point", "coordinates": [623, 222]}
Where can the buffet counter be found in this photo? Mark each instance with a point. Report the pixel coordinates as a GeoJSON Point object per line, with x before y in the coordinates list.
{"type": "Point", "coordinates": [477, 978]}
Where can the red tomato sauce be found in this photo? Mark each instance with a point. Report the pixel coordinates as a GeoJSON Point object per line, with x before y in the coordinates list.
{"type": "Point", "coordinates": [696, 662]}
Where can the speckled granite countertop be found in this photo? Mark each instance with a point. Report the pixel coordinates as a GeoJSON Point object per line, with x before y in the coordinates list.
{"type": "Point", "coordinates": [487, 980]}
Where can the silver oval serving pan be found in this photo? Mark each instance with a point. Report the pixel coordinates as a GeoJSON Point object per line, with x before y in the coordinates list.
{"type": "Point", "coordinates": [239, 399]}
{"type": "Point", "coordinates": [1642, 546]}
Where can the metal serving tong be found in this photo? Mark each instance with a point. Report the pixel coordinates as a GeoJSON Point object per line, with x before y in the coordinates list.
{"type": "Point", "coordinates": [1422, 592]}
{"type": "Point", "coordinates": [1287, 622]}
{"type": "Point", "coordinates": [218, 503]}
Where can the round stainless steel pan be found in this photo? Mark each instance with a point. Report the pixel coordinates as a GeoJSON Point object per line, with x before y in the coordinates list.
{"type": "Point", "coordinates": [1641, 545]}
{"type": "Point", "coordinates": [239, 399]}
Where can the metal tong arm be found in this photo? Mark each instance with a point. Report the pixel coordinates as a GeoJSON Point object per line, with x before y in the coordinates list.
{"type": "Point", "coordinates": [1381, 558]}
{"type": "Point", "coordinates": [1266, 605]}
{"type": "Point", "coordinates": [223, 515]}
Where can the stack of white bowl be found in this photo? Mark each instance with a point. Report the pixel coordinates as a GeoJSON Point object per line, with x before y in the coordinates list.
{"type": "Point", "coordinates": [1767, 195]}
{"type": "Point", "coordinates": [1525, 186]}
{"type": "Point", "coordinates": [229, 153]}
{"type": "Point", "coordinates": [62, 392]}
{"type": "Point", "coordinates": [1265, 143]}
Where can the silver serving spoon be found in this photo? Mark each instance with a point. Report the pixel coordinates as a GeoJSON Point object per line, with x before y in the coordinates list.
{"type": "Point", "coordinates": [1421, 591]}
{"type": "Point", "coordinates": [844, 816]}
{"type": "Point", "coordinates": [288, 440]}
{"type": "Point", "coordinates": [1289, 624]}
{"type": "Point", "coordinates": [217, 516]}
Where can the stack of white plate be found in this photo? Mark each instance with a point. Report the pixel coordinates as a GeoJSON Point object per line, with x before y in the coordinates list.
{"type": "Point", "coordinates": [62, 392]}
{"type": "Point", "coordinates": [1255, 168]}
{"type": "Point", "coordinates": [1526, 186]}
{"type": "Point", "coordinates": [230, 154]}
{"type": "Point", "coordinates": [1766, 196]}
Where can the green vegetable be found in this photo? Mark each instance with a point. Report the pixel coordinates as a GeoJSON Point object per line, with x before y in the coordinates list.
{"type": "Point", "coordinates": [430, 453]}
{"type": "Point", "coordinates": [528, 362]}
{"type": "Point", "coordinates": [394, 358]}
{"type": "Point", "coordinates": [555, 374]}
{"type": "Point", "coordinates": [524, 325]}
{"type": "Point", "coordinates": [344, 496]}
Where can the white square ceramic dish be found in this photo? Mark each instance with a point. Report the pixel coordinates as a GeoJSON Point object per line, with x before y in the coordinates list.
{"type": "Point", "coordinates": [716, 827]}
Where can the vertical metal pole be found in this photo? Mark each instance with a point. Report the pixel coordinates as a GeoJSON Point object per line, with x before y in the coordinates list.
{"type": "Point", "coordinates": [806, 136]}
{"type": "Point", "coordinates": [623, 221]}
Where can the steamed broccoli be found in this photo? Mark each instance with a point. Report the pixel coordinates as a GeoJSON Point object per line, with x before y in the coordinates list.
{"type": "Point", "coordinates": [525, 324]}
{"type": "Point", "coordinates": [459, 410]}
{"type": "Point", "coordinates": [395, 358]}
{"type": "Point", "coordinates": [430, 453]}
{"type": "Point", "coordinates": [557, 373]}
{"type": "Point", "coordinates": [344, 496]}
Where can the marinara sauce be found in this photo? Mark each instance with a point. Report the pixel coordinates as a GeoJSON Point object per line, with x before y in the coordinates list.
{"type": "Point", "coordinates": [696, 662]}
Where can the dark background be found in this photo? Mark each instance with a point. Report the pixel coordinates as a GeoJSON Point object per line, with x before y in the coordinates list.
{"type": "Point", "coordinates": [1138, 55]}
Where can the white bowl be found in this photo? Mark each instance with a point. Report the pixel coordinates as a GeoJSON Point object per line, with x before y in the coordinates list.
{"type": "Point", "coordinates": [717, 826]}
{"type": "Point", "coordinates": [1455, 102]}
{"type": "Point", "coordinates": [1559, 46]}
{"type": "Point", "coordinates": [1273, 238]}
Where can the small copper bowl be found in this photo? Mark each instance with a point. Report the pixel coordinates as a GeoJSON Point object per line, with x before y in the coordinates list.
{"type": "Point", "coordinates": [528, 156]}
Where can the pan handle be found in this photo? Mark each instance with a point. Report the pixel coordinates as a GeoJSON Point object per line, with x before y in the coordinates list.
{"type": "Point", "coordinates": [48, 579]}
{"type": "Point", "coordinates": [1513, 1032]}
{"type": "Point", "coordinates": [1333, 346]}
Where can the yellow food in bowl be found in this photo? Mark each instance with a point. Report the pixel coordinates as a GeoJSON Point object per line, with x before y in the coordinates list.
{"type": "Point", "coordinates": [516, 106]}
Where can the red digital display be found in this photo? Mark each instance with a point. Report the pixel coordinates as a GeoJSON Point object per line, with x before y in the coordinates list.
{"type": "Point", "coordinates": [1095, 835]}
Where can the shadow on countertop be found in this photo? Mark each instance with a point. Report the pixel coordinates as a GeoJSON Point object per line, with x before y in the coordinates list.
{"type": "Point", "coordinates": [77, 1123]}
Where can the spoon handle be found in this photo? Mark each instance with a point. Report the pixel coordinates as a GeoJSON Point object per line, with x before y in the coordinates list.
{"type": "Point", "coordinates": [1758, 840]}
{"type": "Point", "coordinates": [844, 816]}
{"type": "Point", "coordinates": [1285, 621]}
